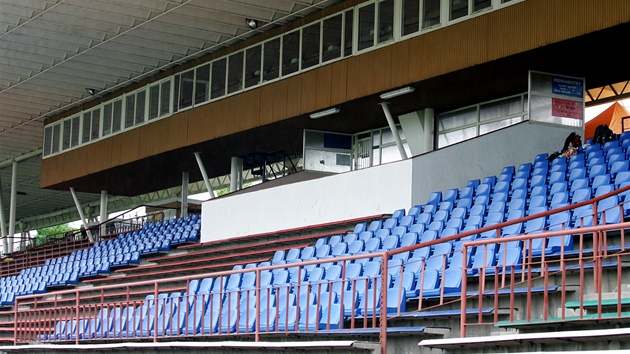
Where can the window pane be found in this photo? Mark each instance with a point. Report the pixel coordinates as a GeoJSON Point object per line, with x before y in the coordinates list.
{"type": "Point", "coordinates": [218, 78]}
{"type": "Point", "coordinates": [67, 131]}
{"type": "Point", "coordinates": [458, 9]}
{"type": "Point", "coordinates": [430, 13]}
{"type": "Point", "coordinates": [366, 27]}
{"type": "Point", "coordinates": [271, 61]}
{"type": "Point", "coordinates": [165, 98]}
{"type": "Point", "coordinates": [87, 122]}
{"type": "Point", "coordinates": [176, 93]}
{"type": "Point", "coordinates": [107, 119]}
{"type": "Point", "coordinates": [456, 136]}
{"type": "Point", "coordinates": [96, 124]}
{"type": "Point", "coordinates": [500, 109]}
{"type": "Point", "coordinates": [154, 101]}
{"type": "Point", "coordinates": [290, 52]}
{"type": "Point", "coordinates": [130, 110]}
{"type": "Point", "coordinates": [310, 46]}
{"type": "Point", "coordinates": [186, 86]}
{"type": "Point", "coordinates": [56, 137]}
{"type": "Point", "coordinates": [385, 21]}
{"type": "Point", "coordinates": [235, 72]}
{"type": "Point", "coordinates": [47, 142]}
{"type": "Point", "coordinates": [253, 57]}
{"type": "Point", "coordinates": [347, 33]}
{"type": "Point", "coordinates": [331, 43]}
{"type": "Point", "coordinates": [76, 130]}
{"type": "Point", "coordinates": [411, 17]}
{"type": "Point", "coordinates": [481, 4]}
{"type": "Point", "coordinates": [202, 84]}
{"type": "Point", "coordinates": [457, 119]}
{"type": "Point", "coordinates": [140, 101]}
{"type": "Point", "coordinates": [487, 128]}
{"type": "Point", "coordinates": [117, 116]}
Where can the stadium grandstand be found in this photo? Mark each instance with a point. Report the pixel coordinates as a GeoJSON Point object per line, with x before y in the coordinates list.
{"type": "Point", "coordinates": [325, 176]}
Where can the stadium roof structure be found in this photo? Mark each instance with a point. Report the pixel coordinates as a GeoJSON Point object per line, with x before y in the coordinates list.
{"type": "Point", "coordinates": [57, 55]}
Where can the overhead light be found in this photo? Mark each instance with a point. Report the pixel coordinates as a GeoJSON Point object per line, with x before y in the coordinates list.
{"type": "Point", "coordinates": [253, 24]}
{"type": "Point", "coordinates": [324, 113]}
{"type": "Point", "coordinates": [396, 93]}
{"type": "Point", "coordinates": [91, 91]}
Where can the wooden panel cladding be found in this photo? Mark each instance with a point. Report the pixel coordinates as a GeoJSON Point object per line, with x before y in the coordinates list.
{"type": "Point", "coordinates": [511, 30]}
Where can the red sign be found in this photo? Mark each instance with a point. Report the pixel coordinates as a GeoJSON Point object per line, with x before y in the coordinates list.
{"type": "Point", "coordinates": [567, 108]}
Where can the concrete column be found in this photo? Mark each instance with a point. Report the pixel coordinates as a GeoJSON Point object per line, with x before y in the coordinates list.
{"type": "Point", "coordinates": [418, 128]}
{"type": "Point", "coordinates": [3, 225]}
{"type": "Point", "coordinates": [184, 208]}
{"type": "Point", "coordinates": [81, 214]}
{"type": "Point", "coordinates": [12, 206]}
{"type": "Point", "coordinates": [103, 216]}
{"type": "Point", "coordinates": [206, 180]}
{"type": "Point", "coordinates": [394, 129]}
{"type": "Point", "coordinates": [236, 174]}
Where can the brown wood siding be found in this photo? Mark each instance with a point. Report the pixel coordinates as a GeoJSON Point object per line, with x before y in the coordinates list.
{"type": "Point", "coordinates": [513, 29]}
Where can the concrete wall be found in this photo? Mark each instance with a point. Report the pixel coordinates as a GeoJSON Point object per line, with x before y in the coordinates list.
{"type": "Point", "coordinates": [486, 155]}
{"type": "Point", "coordinates": [377, 190]}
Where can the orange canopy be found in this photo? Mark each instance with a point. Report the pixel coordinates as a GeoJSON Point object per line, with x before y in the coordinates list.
{"type": "Point", "coordinates": [611, 116]}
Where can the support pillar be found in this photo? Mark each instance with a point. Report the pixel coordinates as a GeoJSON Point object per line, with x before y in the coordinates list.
{"type": "Point", "coordinates": [184, 208]}
{"type": "Point", "coordinates": [3, 225]}
{"type": "Point", "coordinates": [81, 214]}
{"type": "Point", "coordinates": [103, 217]}
{"type": "Point", "coordinates": [392, 127]}
{"type": "Point", "coordinates": [236, 174]}
{"type": "Point", "coordinates": [418, 128]}
{"type": "Point", "coordinates": [206, 180]}
{"type": "Point", "coordinates": [12, 207]}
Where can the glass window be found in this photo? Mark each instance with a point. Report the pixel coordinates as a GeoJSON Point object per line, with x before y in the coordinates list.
{"type": "Point", "coordinates": [271, 60]}
{"type": "Point", "coordinates": [76, 131]}
{"type": "Point", "coordinates": [86, 129]}
{"type": "Point", "coordinates": [410, 17]}
{"type": "Point", "coordinates": [331, 40]}
{"type": "Point", "coordinates": [457, 119]}
{"type": "Point", "coordinates": [456, 136]}
{"type": "Point", "coordinates": [218, 78]}
{"type": "Point", "coordinates": [347, 33]}
{"type": "Point", "coordinates": [107, 119]}
{"type": "Point", "coordinates": [235, 72]}
{"type": "Point", "coordinates": [165, 98]}
{"type": "Point", "coordinates": [67, 131]}
{"type": "Point", "coordinates": [202, 84]}
{"type": "Point", "coordinates": [310, 45]}
{"type": "Point", "coordinates": [385, 21]}
{"type": "Point", "coordinates": [154, 101]}
{"type": "Point", "coordinates": [490, 127]}
{"type": "Point", "coordinates": [498, 109]}
{"type": "Point", "coordinates": [458, 9]}
{"type": "Point", "coordinates": [130, 108]}
{"type": "Point", "coordinates": [140, 102]}
{"type": "Point", "coordinates": [290, 52]}
{"type": "Point", "coordinates": [430, 13]}
{"type": "Point", "coordinates": [47, 140]}
{"type": "Point", "coordinates": [481, 4]}
{"type": "Point", "coordinates": [96, 124]}
{"type": "Point", "coordinates": [117, 116]}
{"type": "Point", "coordinates": [366, 27]}
{"type": "Point", "coordinates": [56, 138]}
{"type": "Point", "coordinates": [253, 57]}
{"type": "Point", "coordinates": [186, 87]}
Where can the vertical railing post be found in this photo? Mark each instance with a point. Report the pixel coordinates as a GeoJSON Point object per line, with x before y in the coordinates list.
{"type": "Point", "coordinates": [383, 299]}
{"type": "Point", "coordinates": [462, 322]}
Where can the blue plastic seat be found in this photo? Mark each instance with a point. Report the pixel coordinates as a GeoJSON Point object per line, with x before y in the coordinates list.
{"type": "Point", "coordinates": [484, 258]}
{"type": "Point", "coordinates": [483, 189]}
{"type": "Point", "coordinates": [435, 198]}
{"type": "Point", "coordinates": [581, 195]}
{"type": "Point", "coordinates": [619, 166]}
{"type": "Point", "coordinates": [578, 173]}
{"type": "Point", "coordinates": [559, 176]}
{"type": "Point", "coordinates": [467, 192]}
{"type": "Point", "coordinates": [609, 209]}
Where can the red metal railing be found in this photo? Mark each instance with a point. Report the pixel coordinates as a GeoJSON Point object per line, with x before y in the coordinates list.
{"type": "Point", "coordinates": [39, 314]}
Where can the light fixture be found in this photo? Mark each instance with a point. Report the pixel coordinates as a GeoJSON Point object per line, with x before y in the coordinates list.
{"type": "Point", "coordinates": [91, 91]}
{"type": "Point", "coordinates": [253, 24]}
{"type": "Point", "coordinates": [324, 113]}
{"type": "Point", "coordinates": [396, 93]}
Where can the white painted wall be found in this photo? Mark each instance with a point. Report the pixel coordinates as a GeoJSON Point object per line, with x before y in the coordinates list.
{"type": "Point", "coordinates": [378, 190]}
{"type": "Point", "coordinates": [486, 155]}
